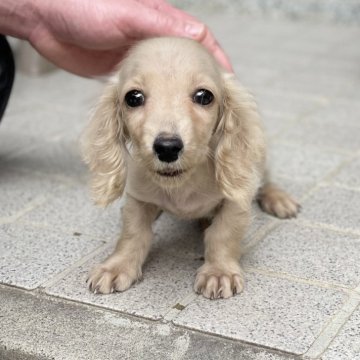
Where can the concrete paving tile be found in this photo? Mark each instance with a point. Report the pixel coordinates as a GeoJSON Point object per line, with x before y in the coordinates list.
{"type": "Point", "coordinates": [178, 238]}
{"type": "Point", "coordinates": [19, 189]}
{"type": "Point", "coordinates": [184, 239]}
{"type": "Point", "coordinates": [168, 274]}
{"type": "Point", "coordinates": [44, 122]}
{"type": "Point", "coordinates": [346, 345]}
{"type": "Point", "coordinates": [308, 253]}
{"type": "Point", "coordinates": [248, 32]}
{"type": "Point", "coordinates": [275, 123]}
{"type": "Point", "coordinates": [332, 125]}
{"type": "Point", "coordinates": [344, 66]}
{"type": "Point", "coordinates": [71, 209]}
{"type": "Point", "coordinates": [281, 62]}
{"type": "Point", "coordinates": [28, 332]}
{"type": "Point", "coordinates": [30, 256]}
{"type": "Point", "coordinates": [339, 111]}
{"type": "Point", "coordinates": [333, 206]}
{"type": "Point", "coordinates": [260, 220]}
{"type": "Point", "coordinates": [311, 82]}
{"type": "Point", "coordinates": [330, 136]}
{"type": "Point", "coordinates": [166, 280]}
{"type": "Point", "coordinates": [12, 143]}
{"type": "Point", "coordinates": [307, 164]}
{"type": "Point", "coordinates": [349, 175]}
{"type": "Point", "coordinates": [345, 48]}
{"type": "Point", "coordinates": [57, 88]}
{"type": "Point", "coordinates": [59, 159]}
{"type": "Point", "coordinates": [271, 312]}
{"type": "Point", "coordinates": [287, 104]}
{"type": "Point", "coordinates": [254, 77]}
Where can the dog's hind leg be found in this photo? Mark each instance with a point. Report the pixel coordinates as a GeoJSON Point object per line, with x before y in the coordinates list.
{"type": "Point", "coordinates": [275, 201]}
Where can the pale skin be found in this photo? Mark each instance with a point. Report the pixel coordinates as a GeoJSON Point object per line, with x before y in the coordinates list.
{"type": "Point", "coordinates": [89, 38]}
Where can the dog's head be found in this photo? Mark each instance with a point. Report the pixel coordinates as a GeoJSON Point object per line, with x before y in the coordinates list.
{"type": "Point", "coordinates": [172, 105]}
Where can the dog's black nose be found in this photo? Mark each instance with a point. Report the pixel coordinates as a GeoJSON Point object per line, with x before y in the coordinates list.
{"type": "Point", "coordinates": [168, 148]}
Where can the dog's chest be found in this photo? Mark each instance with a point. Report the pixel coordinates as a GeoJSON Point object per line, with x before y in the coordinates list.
{"type": "Point", "coordinates": [189, 204]}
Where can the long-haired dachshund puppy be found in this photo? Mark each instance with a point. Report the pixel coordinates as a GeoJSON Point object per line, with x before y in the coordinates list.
{"type": "Point", "coordinates": [176, 133]}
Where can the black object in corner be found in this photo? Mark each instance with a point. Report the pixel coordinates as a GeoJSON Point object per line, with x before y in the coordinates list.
{"type": "Point", "coordinates": [7, 73]}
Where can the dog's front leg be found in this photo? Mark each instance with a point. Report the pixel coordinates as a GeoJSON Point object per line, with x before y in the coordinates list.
{"type": "Point", "coordinates": [221, 275]}
{"type": "Point", "coordinates": [121, 269]}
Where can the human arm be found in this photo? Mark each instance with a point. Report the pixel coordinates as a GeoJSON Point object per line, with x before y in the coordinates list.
{"type": "Point", "coordinates": [89, 38]}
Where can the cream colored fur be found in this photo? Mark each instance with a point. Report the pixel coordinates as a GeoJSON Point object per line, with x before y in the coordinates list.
{"type": "Point", "coordinates": [223, 162]}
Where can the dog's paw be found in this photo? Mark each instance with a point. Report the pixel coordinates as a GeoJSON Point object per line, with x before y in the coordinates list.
{"type": "Point", "coordinates": [106, 280]}
{"type": "Point", "coordinates": [214, 283]}
{"type": "Point", "coordinates": [277, 202]}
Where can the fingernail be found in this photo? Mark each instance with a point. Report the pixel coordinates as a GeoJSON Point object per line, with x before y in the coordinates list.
{"type": "Point", "coordinates": [194, 29]}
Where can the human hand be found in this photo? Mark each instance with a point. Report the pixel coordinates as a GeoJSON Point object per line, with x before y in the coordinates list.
{"type": "Point", "coordinates": [90, 38]}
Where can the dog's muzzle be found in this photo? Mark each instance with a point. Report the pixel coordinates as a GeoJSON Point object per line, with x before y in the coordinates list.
{"type": "Point", "coordinates": [168, 148]}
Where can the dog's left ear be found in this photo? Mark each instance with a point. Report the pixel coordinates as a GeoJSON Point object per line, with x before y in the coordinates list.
{"type": "Point", "coordinates": [104, 149]}
{"type": "Point", "coordinates": [240, 145]}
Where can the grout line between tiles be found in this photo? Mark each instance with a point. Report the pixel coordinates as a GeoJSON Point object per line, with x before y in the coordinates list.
{"type": "Point", "coordinates": [53, 280]}
{"type": "Point", "coordinates": [65, 231]}
{"type": "Point", "coordinates": [333, 327]}
{"type": "Point", "coordinates": [345, 187]}
{"type": "Point", "coordinates": [299, 117]}
{"type": "Point", "coordinates": [261, 233]}
{"type": "Point", "coordinates": [293, 278]}
{"type": "Point", "coordinates": [334, 150]}
{"type": "Point", "coordinates": [179, 306]}
{"type": "Point", "coordinates": [336, 171]}
{"type": "Point", "coordinates": [38, 201]}
{"type": "Point", "coordinates": [320, 225]}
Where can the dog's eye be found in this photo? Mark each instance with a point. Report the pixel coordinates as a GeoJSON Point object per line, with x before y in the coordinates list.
{"type": "Point", "coordinates": [203, 97]}
{"type": "Point", "coordinates": [134, 98]}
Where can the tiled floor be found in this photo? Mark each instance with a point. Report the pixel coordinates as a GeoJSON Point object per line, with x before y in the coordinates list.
{"type": "Point", "coordinates": [302, 293]}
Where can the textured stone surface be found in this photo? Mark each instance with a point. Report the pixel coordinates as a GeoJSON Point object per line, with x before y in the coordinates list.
{"type": "Point", "coordinates": [347, 11]}
{"type": "Point", "coordinates": [30, 256]}
{"type": "Point", "coordinates": [347, 344]}
{"type": "Point", "coordinates": [27, 332]}
{"type": "Point", "coordinates": [71, 209]}
{"type": "Point", "coordinates": [21, 190]}
{"type": "Point", "coordinates": [332, 136]}
{"type": "Point", "coordinates": [303, 163]}
{"type": "Point", "coordinates": [271, 312]}
{"type": "Point", "coordinates": [166, 280]}
{"type": "Point", "coordinates": [334, 206]}
{"type": "Point", "coordinates": [349, 175]}
{"type": "Point", "coordinates": [309, 253]}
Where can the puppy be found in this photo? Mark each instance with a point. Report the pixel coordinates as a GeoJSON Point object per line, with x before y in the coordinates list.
{"type": "Point", "coordinates": [176, 133]}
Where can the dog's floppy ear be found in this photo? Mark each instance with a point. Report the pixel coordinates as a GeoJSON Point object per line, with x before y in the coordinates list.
{"type": "Point", "coordinates": [240, 145]}
{"type": "Point", "coordinates": [104, 150]}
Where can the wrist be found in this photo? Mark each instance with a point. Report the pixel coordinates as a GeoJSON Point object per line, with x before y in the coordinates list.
{"type": "Point", "coordinates": [19, 18]}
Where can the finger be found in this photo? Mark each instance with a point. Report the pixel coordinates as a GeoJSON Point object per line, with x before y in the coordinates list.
{"type": "Point", "coordinates": [177, 23]}
{"type": "Point", "coordinates": [213, 46]}
{"type": "Point", "coordinates": [82, 62]}
{"type": "Point", "coordinates": [206, 38]}
{"type": "Point", "coordinates": [148, 22]}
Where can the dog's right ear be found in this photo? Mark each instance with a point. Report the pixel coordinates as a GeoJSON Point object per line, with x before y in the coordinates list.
{"type": "Point", "coordinates": [104, 150]}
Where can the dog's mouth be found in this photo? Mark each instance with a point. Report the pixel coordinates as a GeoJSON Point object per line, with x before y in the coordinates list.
{"type": "Point", "coordinates": [170, 173]}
